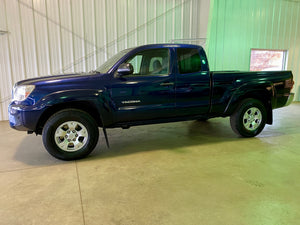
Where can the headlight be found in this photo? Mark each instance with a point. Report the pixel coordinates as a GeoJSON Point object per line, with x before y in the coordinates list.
{"type": "Point", "coordinates": [21, 92]}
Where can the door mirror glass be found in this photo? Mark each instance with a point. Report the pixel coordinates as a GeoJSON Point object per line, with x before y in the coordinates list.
{"type": "Point", "coordinates": [125, 69]}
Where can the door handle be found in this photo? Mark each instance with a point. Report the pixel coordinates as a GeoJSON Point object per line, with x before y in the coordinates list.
{"type": "Point", "coordinates": [167, 84]}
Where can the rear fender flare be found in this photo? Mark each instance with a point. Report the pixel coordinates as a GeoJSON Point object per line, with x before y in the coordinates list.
{"type": "Point", "coordinates": [263, 91]}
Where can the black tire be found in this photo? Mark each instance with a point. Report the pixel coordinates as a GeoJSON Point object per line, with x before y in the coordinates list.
{"type": "Point", "coordinates": [249, 119]}
{"type": "Point", "coordinates": [70, 134]}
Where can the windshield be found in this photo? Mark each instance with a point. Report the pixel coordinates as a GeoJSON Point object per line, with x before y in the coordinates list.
{"type": "Point", "coordinates": [105, 67]}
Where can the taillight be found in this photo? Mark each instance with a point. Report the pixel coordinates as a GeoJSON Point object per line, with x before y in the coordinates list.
{"type": "Point", "coordinates": [289, 83]}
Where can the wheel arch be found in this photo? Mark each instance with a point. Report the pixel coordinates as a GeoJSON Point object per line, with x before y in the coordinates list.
{"type": "Point", "coordinates": [85, 106]}
{"type": "Point", "coordinates": [265, 96]}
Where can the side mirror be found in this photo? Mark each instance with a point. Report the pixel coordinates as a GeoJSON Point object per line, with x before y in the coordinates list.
{"type": "Point", "coordinates": [125, 69]}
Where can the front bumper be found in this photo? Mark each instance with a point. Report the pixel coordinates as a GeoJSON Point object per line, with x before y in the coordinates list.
{"type": "Point", "coordinates": [23, 118]}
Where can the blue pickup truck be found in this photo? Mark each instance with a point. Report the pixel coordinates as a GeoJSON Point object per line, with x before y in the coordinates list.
{"type": "Point", "coordinates": [144, 85]}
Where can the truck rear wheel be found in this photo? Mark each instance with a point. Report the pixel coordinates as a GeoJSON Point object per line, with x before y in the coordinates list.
{"type": "Point", "coordinates": [249, 119]}
{"type": "Point", "coordinates": [70, 134]}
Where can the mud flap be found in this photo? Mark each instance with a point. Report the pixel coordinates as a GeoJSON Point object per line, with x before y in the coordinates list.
{"type": "Point", "coordinates": [105, 135]}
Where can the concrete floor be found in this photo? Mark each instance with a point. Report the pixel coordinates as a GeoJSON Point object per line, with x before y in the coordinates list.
{"type": "Point", "coordinates": [178, 173]}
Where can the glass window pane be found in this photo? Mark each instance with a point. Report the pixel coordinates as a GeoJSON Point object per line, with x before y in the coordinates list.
{"type": "Point", "coordinates": [136, 63]}
{"type": "Point", "coordinates": [188, 60]}
{"type": "Point", "coordinates": [151, 62]}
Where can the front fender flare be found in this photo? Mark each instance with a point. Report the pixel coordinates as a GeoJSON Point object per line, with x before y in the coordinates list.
{"type": "Point", "coordinates": [96, 98]}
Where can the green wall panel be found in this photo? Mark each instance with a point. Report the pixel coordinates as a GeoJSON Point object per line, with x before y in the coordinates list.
{"type": "Point", "coordinates": [236, 26]}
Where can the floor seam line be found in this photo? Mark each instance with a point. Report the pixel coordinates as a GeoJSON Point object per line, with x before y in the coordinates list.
{"type": "Point", "coordinates": [79, 187]}
{"type": "Point", "coordinates": [28, 168]}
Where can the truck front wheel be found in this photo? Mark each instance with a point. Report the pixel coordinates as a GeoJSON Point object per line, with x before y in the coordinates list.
{"type": "Point", "coordinates": [249, 119]}
{"type": "Point", "coordinates": [70, 134]}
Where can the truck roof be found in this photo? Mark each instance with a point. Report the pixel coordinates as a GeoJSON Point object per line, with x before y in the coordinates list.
{"type": "Point", "coordinates": [167, 45]}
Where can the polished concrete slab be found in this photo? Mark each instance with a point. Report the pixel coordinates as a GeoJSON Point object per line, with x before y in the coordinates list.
{"type": "Point", "coordinates": [176, 173]}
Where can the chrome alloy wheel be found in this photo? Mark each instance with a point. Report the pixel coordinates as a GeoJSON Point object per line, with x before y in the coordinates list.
{"type": "Point", "coordinates": [71, 136]}
{"type": "Point", "coordinates": [252, 118]}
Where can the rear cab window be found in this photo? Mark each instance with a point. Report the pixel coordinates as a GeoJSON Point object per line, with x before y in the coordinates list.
{"type": "Point", "coordinates": [188, 60]}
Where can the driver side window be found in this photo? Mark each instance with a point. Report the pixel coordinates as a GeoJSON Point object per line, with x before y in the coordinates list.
{"type": "Point", "coordinates": [151, 62]}
{"type": "Point", "coordinates": [136, 62]}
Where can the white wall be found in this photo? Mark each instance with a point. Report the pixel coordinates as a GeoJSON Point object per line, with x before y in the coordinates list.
{"type": "Point", "coordinates": [61, 36]}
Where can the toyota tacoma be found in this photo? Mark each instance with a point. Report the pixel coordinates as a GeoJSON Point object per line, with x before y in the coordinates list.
{"type": "Point", "coordinates": [144, 85]}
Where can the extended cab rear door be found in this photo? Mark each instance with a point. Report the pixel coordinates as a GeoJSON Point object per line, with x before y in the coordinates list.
{"type": "Point", "coordinates": [192, 85]}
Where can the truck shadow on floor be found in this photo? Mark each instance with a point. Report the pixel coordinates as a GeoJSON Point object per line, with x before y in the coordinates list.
{"type": "Point", "coordinates": [31, 151]}
{"type": "Point", "coordinates": [171, 136]}
{"type": "Point", "coordinates": [168, 136]}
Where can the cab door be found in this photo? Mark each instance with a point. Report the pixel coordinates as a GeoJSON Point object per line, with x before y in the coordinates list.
{"type": "Point", "coordinates": [192, 83]}
{"type": "Point", "coordinates": [148, 93]}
